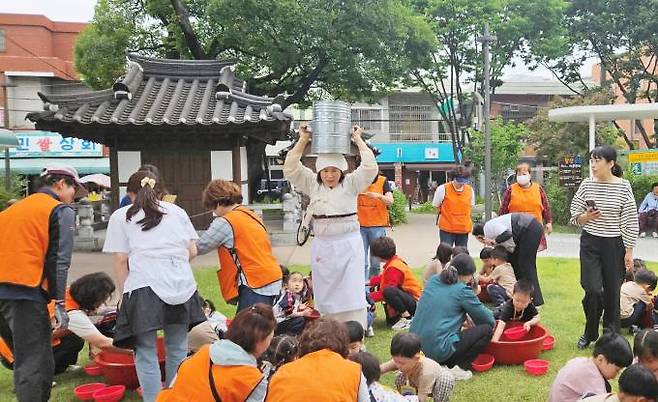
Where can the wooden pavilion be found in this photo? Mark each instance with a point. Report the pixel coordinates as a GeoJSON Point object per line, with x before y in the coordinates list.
{"type": "Point", "coordinates": [192, 118]}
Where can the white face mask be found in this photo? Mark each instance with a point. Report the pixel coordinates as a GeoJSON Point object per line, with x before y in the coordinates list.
{"type": "Point", "coordinates": [523, 179]}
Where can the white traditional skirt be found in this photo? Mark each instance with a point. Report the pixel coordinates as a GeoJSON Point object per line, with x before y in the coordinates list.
{"type": "Point", "coordinates": [338, 281]}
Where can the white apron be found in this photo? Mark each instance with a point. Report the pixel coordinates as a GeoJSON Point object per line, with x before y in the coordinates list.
{"type": "Point", "coordinates": [338, 281]}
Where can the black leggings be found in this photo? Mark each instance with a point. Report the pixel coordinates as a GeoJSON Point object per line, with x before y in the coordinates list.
{"type": "Point", "coordinates": [636, 317]}
{"type": "Point", "coordinates": [399, 300]}
{"type": "Point", "coordinates": [66, 353]}
{"type": "Point", "coordinates": [471, 343]}
{"type": "Point", "coordinates": [524, 258]}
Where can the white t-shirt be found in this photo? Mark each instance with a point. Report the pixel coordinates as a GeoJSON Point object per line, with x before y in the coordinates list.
{"type": "Point", "coordinates": [81, 325]}
{"type": "Point", "coordinates": [159, 257]}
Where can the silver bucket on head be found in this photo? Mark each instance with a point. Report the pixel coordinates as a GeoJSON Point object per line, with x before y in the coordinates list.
{"type": "Point", "coordinates": [331, 128]}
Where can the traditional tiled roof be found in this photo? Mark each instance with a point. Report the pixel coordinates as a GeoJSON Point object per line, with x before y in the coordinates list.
{"type": "Point", "coordinates": [165, 92]}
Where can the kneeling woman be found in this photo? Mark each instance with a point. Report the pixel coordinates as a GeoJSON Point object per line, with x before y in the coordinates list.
{"type": "Point", "coordinates": [439, 329]}
{"type": "Point", "coordinates": [337, 253]}
{"type": "Point", "coordinates": [227, 370]}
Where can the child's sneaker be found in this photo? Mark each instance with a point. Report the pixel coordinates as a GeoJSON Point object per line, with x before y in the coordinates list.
{"type": "Point", "coordinates": [402, 324]}
{"type": "Point", "coordinates": [370, 332]}
{"type": "Point", "coordinates": [654, 235]}
{"type": "Point", "coordinates": [461, 374]}
{"type": "Point", "coordinates": [643, 234]}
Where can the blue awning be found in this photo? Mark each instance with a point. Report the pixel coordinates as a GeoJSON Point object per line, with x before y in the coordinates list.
{"type": "Point", "coordinates": [415, 152]}
{"type": "Point", "coordinates": [30, 166]}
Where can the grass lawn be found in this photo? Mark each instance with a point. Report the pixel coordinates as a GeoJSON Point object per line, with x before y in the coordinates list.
{"type": "Point", "coordinates": [562, 314]}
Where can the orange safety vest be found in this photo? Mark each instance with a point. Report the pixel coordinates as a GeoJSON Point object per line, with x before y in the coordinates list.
{"type": "Point", "coordinates": [322, 376]}
{"type": "Point", "coordinates": [230, 383]}
{"type": "Point", "coordinates": [526, 200]}
{"type": "Point", "coordinates": [24, 239]}
{"type": "Point", "coordinates": [372, 212]}
{"type": "Point", "coordinates": [455, 210]}
{"type": "Point", "coordinates": [6, 352]}
{"type": "Point", "coordinates": [410, 285]}
{"type": "Point", "coordinates": [251, 255]}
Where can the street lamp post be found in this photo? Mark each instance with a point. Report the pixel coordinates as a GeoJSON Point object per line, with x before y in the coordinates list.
{"type": "Point", "coordinates": [486, 39]}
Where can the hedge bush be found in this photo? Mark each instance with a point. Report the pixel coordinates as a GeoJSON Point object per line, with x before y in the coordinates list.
{"type": "Point", "coordinates": [641, 185]}
{"type": "Point", "coordinates": [398, 210]}
{"type": "Point", "coordinates": [17, 190]}
{"type": "Point", "coordinates": [558, 200]}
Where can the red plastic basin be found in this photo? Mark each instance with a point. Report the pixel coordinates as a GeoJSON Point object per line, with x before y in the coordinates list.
{"type": "Point", "coordinates": [93, 370]}
{"type": "Point", "coordinates": [515, 333]}
{"type": "Point", "coordinates": [113, 393]}
{"type": "Point", "coordinates": [549, 342]}
{"type": "Point", "coordinates": [506, 352]}
{"type": "Point", "coordinates": [483, 362]}
{"type": "Point", "coordinates": [86, 392]}
{"type": "Point", "coordinates": [119, 368]}
{"type": "Point", "coordinates": [536, 366]}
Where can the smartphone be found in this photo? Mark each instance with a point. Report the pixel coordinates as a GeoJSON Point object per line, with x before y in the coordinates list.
{"type": "Point", "coordinates": [591, 204]}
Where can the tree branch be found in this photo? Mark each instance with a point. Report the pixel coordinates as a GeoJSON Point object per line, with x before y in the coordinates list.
{"type": "Point", "coordinates": [301, 92]}
{"type": "Point", "coordinates": [183, 18]}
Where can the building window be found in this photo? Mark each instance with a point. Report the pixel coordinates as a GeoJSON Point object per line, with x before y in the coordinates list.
{"type": "Point", "coordinates": [2, 40]}
{"type": "Point", "coordinates": [370, 119]}
{"type": "Point", "coordinates": [517, 113]}
{"type": "Point", "coordinates": [412, 122]}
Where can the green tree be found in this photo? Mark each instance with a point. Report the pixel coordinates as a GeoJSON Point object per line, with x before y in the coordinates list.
{"type": "Point", "coordinates": [454, 70]}
{"type": "Point", "coordinates": [347, 49]}
{"type": "Point", "coordinates": [553, 140]}
{"type": "Point", "coordinates": [506, 144]}
{"type": "Point", "coordinates": [622, 34]}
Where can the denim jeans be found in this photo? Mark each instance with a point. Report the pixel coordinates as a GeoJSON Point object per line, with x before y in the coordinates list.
{"type": "Point", "coordinates": [453, 239]}
{"type": "Point", "coordinates": [371, 263]}
{"type": "Point", "coordinates": [146, 358]}
{"type": "Point", "coordinates": [247, 298]}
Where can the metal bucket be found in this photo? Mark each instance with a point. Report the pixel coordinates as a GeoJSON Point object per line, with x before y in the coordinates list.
{"type": "Point", "coordinates": [331, 127]}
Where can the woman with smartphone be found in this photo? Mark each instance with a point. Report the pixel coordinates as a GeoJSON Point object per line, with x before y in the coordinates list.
{"type": "Point", "coordinates": [604, 207]}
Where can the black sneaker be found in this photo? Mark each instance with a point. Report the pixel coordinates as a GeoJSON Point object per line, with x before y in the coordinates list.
{"type": "Point", "coordinates": [582, 342]}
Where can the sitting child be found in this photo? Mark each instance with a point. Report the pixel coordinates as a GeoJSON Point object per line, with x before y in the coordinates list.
{"type": "Point", "coordinates": [283, 349]}
{"type": "Point", "coordinates": [519, 308]}
{"type": "Point", "coordinates": [636, 384]}
{"type": "Point", "coordinates": [635, 299]}
{"type": "Point", "coordinates": [487, 267]}
{"type": "Point", "coordinates": [290, 307]}
{"type": "Point", "coordinates": [356, 334]}
{"type": "Point", "coordinates": [440, 259]}
{"type": "Point", "coordinates": [417, 373]}
{"type": "Point", "coordinates": [584, 376]}
{"type": "Point", "coordinates": [372, 372]}
{"type": "Point", "coordinates": [397, 285]}
{"type": "Point", "coordinates": [501, 280]}
{"type": "Point", "coordinates": [459, 250]}
{"type": "Point", "coordinates": [645, 349]}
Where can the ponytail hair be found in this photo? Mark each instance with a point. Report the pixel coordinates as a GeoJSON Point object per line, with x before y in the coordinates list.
{"type": "Point", "coordinates": [148, 191]}
{"type": "Point", "coordinates": [617, 170]}
{"type": "Point", "coordinates": [449, 275]}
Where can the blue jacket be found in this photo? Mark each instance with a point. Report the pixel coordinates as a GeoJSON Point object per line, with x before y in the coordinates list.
{"type": "Point", "coordinates": [440, 313]}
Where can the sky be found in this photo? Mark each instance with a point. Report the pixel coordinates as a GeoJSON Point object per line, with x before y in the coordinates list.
{"type": "Point", "coordinates": [83, 11]}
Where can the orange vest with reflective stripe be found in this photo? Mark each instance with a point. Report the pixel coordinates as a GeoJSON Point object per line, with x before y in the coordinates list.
{"type": "Point", "coordinates": [252, 250]}
{"type": "Point", "coordinates": [410, 285]}
{"type": "Point", "coordinates": [6, 352]}
{"type": "Point", "coordinates": [24, 239]}
{"type": "Point", "coordinates": [372, 212]}
{"type": "Point", "coordinates": [232, 383]}
{"type": "Point", "coordinates": [455, 210]}
{"type": "Point", "coordinates": [526, 200]}
{"type": "Point", "coordinates": [322, 376]}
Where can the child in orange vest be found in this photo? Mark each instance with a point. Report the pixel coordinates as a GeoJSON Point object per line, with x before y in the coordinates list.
{"type": "Point", "coordinates": [397, 285]}
{"type": "Point", "coordinates": [227, 370]}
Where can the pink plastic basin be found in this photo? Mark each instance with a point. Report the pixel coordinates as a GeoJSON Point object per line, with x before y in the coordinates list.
{"type": "Point", "coordinates": [483, 362]}
{"type": "Point", "coordinates": [119, 369]}
{"type": "Point", "coordinates": [86, 392]}
{"type": "Point", "coordinates": [113, 393]}
{"type": "Point", "coordinates": [536, 366]}
{"type": "Point", "coordinates": [93, 370]}
{"type": "Point", "coordinates": [529, 347]}
{"type": "Point", "coordinates": [514, 334]}
{"type": "Point", "coordinates": [549, 342]}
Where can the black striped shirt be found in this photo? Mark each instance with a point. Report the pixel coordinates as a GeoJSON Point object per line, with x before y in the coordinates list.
{"type": "Point", "coordinates": [617, 205]}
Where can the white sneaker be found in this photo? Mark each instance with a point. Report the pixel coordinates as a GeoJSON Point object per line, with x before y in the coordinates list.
{"type": "Point", "coordinates": [643, 234]}
{"type": "Point", "coordinates": [370, 332]}
{"type": "Point", "coordinates": [461, 374]}
{"type": "Point", "coordinates": [402, 324]}
{"type": "Point", "coordinates": [654, 235]}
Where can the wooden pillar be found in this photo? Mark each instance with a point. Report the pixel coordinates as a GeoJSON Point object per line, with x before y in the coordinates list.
{"type": "Point", "coordinates": [236, 162]}
{"type": "Point", "coordinates": [114, 177]}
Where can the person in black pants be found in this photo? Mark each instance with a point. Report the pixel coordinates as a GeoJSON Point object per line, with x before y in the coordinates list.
{"type": "Point", "coordinates": [520, 234]}
{"type": "Point", "coordinates": [604, 206]}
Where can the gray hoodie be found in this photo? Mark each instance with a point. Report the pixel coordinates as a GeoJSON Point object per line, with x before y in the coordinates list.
{"type": "Point", "coordinates": [226, 353]}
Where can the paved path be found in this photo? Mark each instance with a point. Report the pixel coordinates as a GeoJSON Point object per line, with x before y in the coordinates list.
{"type": "Point", "coordinates": [416, 243]}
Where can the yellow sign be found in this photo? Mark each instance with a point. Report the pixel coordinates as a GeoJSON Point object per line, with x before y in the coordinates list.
{"type": "Point", "coordinates": [651, 156]}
